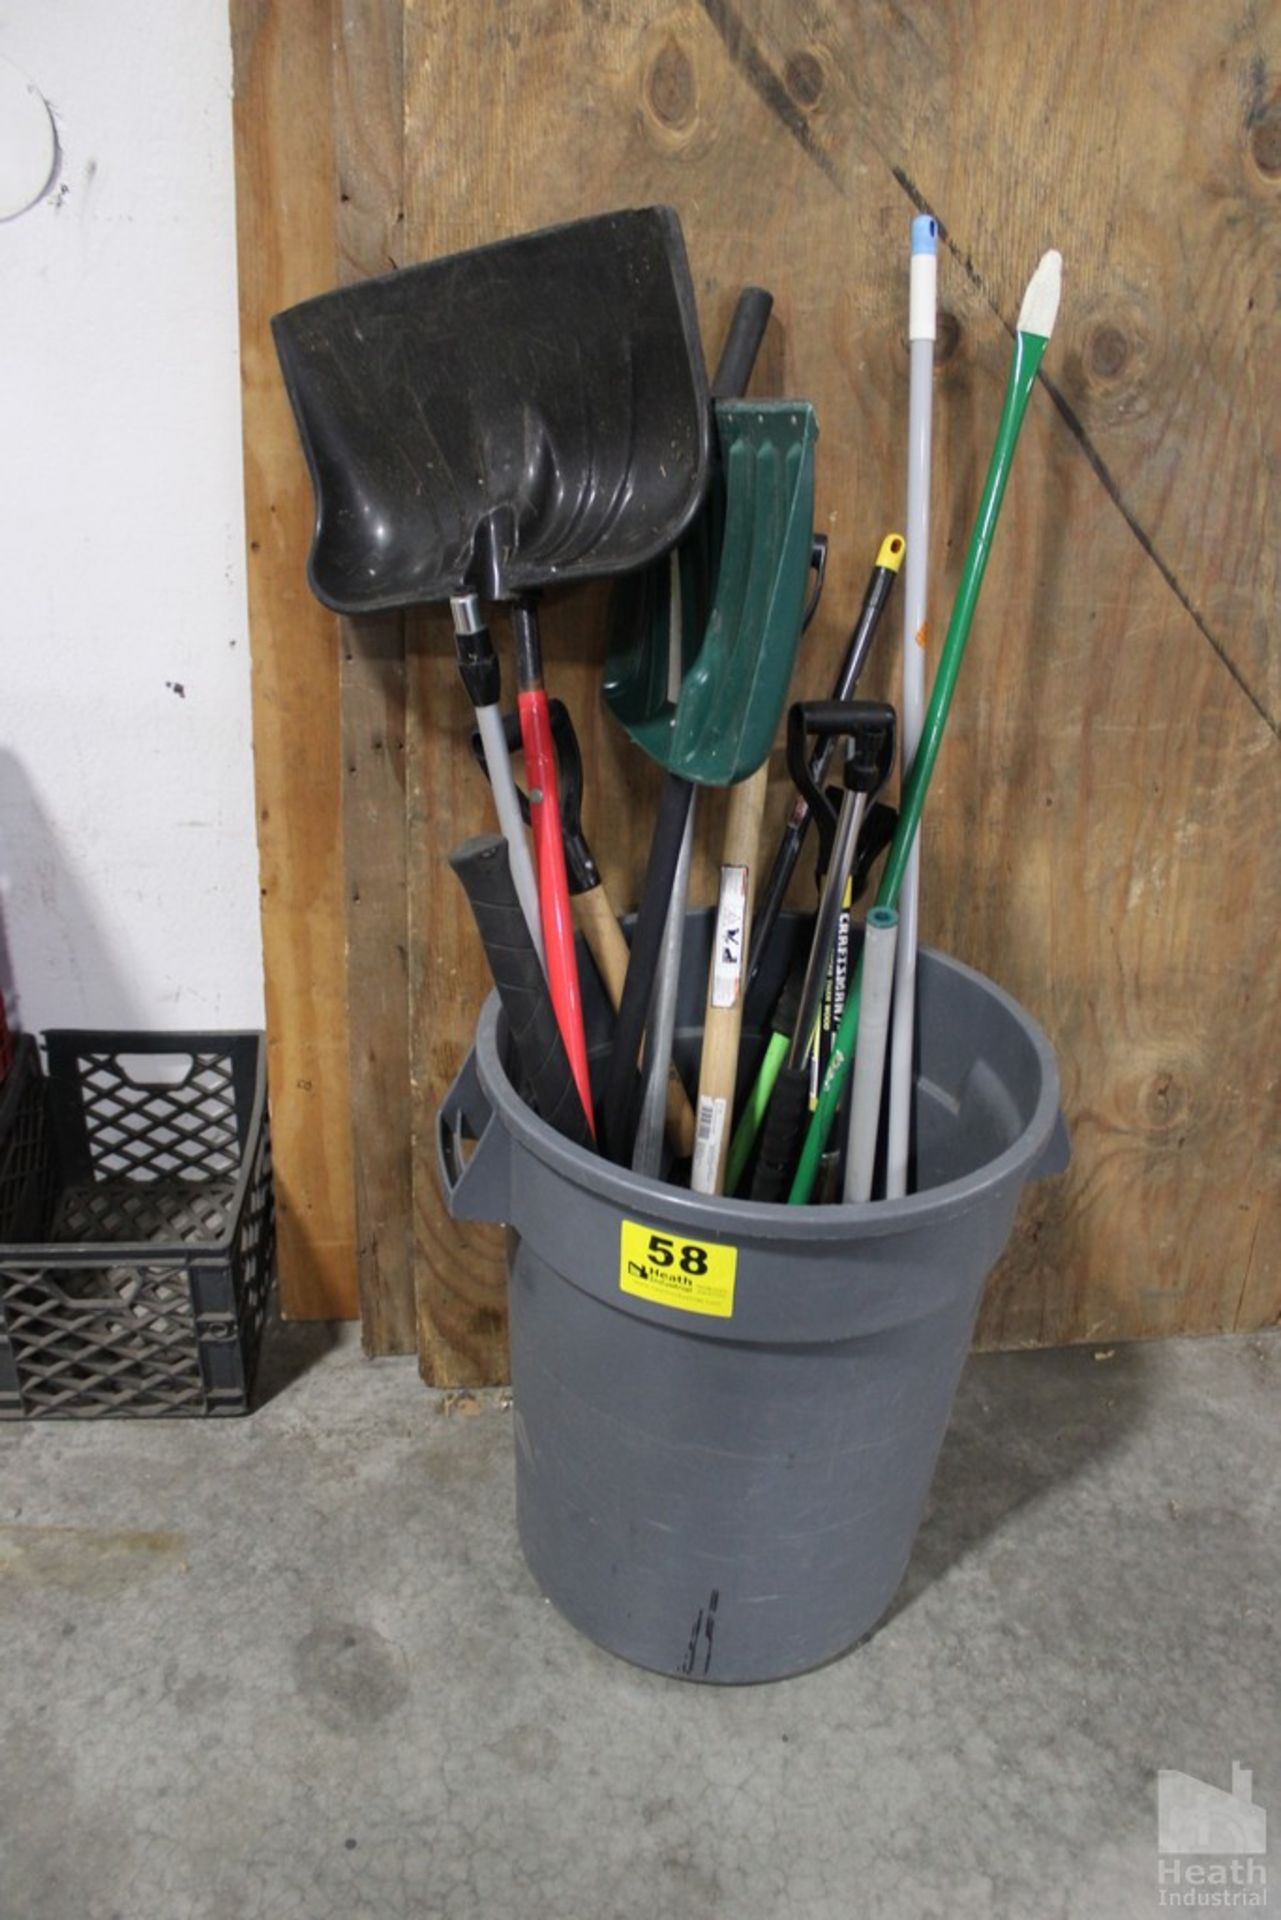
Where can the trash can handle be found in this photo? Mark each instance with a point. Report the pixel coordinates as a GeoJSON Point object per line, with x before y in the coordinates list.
{"type": "Point", "coordinates": [1056, 1154]}
{"type": "Point", "coordinates": [479, 1187]}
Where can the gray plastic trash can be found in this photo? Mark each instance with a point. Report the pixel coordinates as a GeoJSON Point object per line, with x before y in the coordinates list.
{"type": "Point", "coordinates": [727, 1414]}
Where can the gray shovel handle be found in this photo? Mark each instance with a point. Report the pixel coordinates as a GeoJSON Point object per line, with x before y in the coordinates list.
{"type": "Point", "coordinates": [478, 1187]}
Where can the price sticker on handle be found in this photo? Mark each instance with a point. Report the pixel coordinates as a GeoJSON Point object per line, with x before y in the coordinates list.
{"type": "Point", "coordinates": [696, 1276]}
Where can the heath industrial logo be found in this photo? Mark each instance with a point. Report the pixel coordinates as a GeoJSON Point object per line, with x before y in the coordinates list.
{"type": "Point", "coordinates": [1211, 1842]}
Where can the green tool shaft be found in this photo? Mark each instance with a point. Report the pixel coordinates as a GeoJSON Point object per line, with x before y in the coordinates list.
{"type": "Point", "coordinates": [1028, 351]}
{"type": "Point", "coordinates": [753, 1115]}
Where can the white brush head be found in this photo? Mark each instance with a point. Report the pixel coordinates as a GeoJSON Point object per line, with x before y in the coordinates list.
{"type": "Point", "coordinates": [1041, 301]}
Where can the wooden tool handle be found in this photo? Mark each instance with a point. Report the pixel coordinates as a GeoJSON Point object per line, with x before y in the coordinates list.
{"type": "Point", "coordinates": [723, 1022]}
{"type": "Point", "coordinates": [605, 939]}
{"type": "Point", "coordinates": [608, 947]}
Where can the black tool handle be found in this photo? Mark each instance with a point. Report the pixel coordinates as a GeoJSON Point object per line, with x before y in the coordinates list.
{"type": "Point", "coordinates": [774, 891]}
{"type": "Point", "coordinates": [483, 866]}
{"type": "Point", "coordinates": [879, 823]}
{"type": "Point", "coordinates": [787, 1007]}
{"type": "Point", "coordinates": [742, 343]}
{"type": "Point", "coordinates": [782, 1135]}
{"type": "Point", "coordinates": [616, 1116]}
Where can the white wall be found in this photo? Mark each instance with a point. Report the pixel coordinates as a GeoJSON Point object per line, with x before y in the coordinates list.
{"type": "Point", "coordinates": [128, 863]}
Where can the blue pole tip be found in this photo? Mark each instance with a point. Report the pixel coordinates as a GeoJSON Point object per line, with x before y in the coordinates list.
{"type": "Point", "coordinates": [925, 234]}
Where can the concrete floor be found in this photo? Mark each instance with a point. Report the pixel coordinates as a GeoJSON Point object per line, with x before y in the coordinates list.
{"type": "Point", "coordinates": [293, 1669]}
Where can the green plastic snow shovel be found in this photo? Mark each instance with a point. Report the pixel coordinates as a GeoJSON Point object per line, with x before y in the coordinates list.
{"type": "Point", "coordinates": [743, 569]}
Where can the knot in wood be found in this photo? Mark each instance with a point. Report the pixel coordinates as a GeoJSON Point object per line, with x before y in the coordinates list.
{"type": "Point", "coordinates": [803, 78]}
{"type": "Point", "coordinates": [671, 90]}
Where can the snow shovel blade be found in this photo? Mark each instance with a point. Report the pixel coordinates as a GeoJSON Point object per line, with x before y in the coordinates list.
{"type": "Point", "coordinates": [743, 571]}
{"type": "Point", "coordinates": [527, 412]}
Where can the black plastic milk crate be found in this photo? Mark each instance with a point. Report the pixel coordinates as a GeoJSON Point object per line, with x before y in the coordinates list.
{"type": "Point", "coordinates": [138, 1225]}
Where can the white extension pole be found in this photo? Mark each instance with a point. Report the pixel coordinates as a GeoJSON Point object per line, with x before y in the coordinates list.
{"type": "Point", "coordinates": [921, 326]}
{"type": "Point", "coordinates": [880, 939]}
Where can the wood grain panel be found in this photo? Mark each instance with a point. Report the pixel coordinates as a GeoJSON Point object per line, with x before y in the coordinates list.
{"type": "Point", "coordinates": [1094, 839]}
{"type": "Point", "coordinates": [1100, 838]}
{"type": "Point", "coordinates": [285, 196]}
{"type": "Point", "coordinates": [369, 136]}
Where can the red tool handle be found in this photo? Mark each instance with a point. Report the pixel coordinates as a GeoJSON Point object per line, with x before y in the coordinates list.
{"type": "Point", "coordinates": [553, 886]}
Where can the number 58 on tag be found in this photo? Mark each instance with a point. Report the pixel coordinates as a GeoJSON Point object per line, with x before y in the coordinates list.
{"type": "Point", "coordinates": [696, 1276]}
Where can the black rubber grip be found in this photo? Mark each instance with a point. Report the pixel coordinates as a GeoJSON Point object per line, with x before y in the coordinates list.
{"type": "Point", "coordinates": [483, 866]}
{"type": "Point", "coordinates": [782, 1135]}
{"type": "Point", "coordinates": [742, 343]}
{"type": "Point", "coordinates": [617, 1112]}
{"type": "Point", "coordinates": [787, 1008]}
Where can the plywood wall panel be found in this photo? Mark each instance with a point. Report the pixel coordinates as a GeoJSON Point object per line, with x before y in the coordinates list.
{"type": "Point", "coordinates": [1089, 839]}
{"type": "Point", "coordinates": [1100, 838]}
{"type": "Point", "coordinates": [286, 190]}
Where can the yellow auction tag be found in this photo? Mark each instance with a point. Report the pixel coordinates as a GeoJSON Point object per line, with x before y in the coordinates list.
{"type": "Point", "coordinates": [694, 1275]}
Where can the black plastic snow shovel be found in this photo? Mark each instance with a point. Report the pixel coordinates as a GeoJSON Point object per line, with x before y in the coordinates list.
{"type": "Point", "coordinates": [524, 414]}
{"type": "Point", "coordinates": [528, 412]}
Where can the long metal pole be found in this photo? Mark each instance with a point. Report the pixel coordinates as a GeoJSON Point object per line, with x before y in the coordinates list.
{"type": "Point", "coordinates": [879, 937]}
{"type": "Point", "coordinates": [922, 305]}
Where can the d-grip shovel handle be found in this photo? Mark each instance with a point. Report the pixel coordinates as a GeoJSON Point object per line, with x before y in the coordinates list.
{"type": "Point", "coordinates": [580, 863]}
{"type": "Point", "coordinates": [483, 866]}
{"type": "Point", "coordinates": [868, 725]}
